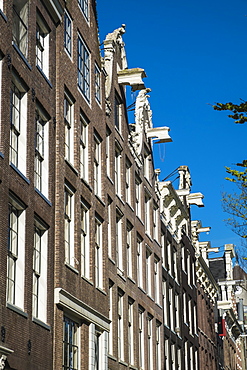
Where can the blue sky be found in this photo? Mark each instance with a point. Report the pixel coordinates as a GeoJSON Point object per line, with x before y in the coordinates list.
{"type": "Point", "coordinates": [194, 54]}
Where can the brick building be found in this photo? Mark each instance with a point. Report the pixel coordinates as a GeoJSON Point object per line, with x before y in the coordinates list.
{"type": "Point", "coordinates": [98, 263]}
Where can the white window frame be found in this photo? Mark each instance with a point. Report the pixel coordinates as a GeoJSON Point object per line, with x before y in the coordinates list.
{"type": "Point", "coordinates": [84, 157]}
{"type": "Point", "coordinates": [97, 164]}
{"type": "Point", "coordinates": [20, 25]}
{"type": "Point", "coordinates": [98, 253]}
{"type": "Point", "coordinates": [69, 225]}
{"type": "Point", "coordinates": [156, 221]}
{"type": "Point", "coordinates": [119, 239]}
{"type": "Point", "coordinates": [68, 33]}
{"type": "Point", "coordinates": [118, 170]}
{"type": "Point", "coordinates": [40, 250]}
{"type": "Point", "coordinates": [83, 68]}
{"type": "Point", "coordinates": [18, 125]}
{"type": "Point", "coordinates": [150, 342]}
{"type": "Point", "coordinates": [97, 76]}
{"type": "Point", "coordinates": [129, 244]}
{"type": "Point", "coordinates": [70, 344]}
{"type": "Point", "coordinates": [141, 337]}
{"type": "Point", "coordinates": [157, 280]}
{"type": "Point", "coordinates": [149, 271]}
{"type": "Point", "coordinates": [128, 182]}
{"type": "Point", "coordinates": [42, 44]}
{"type": "Point", "coordinates": [139, 261]}
{"type": "Point", "coordinates": [84, 6]}
{"type": "Point", "coordinates": [41, 165]}
{"type": "Point", "coordinates": [97, 348]}
{"type": "Point", "coordinates": [111, 305]}
{"type": "Point", "coordinates": [138, 187]}
{"type": "Point", "coordinates": [146, 162]}
{"type": "Point", "coordinates": [69, 128]}
{"type": "Point", "coordinates": [147, 206]}
{"type": "Point", "coordinates": [118, 112]}
{"type": "Point", "coordinates": [120, 326]}
{"type": "Point", "coordinates": [109, 226]}
{"type": "Point", "coordinates": [108, 153]}
{"type": "Point", "coordinates": [16, 253]}
{"type": "Point", "coordinates": [85, 241]}
{"type": "Point", "coordinates": [131, 331]}
{"type": "Point", "coordinates": [158, 345]}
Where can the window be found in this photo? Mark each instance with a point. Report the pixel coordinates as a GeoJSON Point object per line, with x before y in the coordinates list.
{"type": "Point", "coordinates": [165, 302]}
{"type": "Point", "coordinates": [141, 337]}
{"type": "Point", "coordinates": [98, 253]}
{"type": "Point", "coordinates": [117, 112]}
{"type": "Point", "coordinates": [40, 270]}
{"type": "Point", "coordinates": [157, 280]}
{"type": "Point", "coordinates": [167, 355]}
{"type": "Point", "coordinates": [110, 341]}
{"type": "Point", "coordinates": [108, 152]}
{"type": "Point", "coordinates": [84, 7]}
{"type": "Point", "coordinates": [69, 225]}
{"type": "Point", "coordinates": [129, 249]}
{"type": "Point", "coordinates": [69, 128]}
{"type": "Point", "coordinates": [42, 44]}
{"type": "Point", "coordinates": [155, 221]}
{"type": "Point", "coordinates": [97, 348]}
{"type": "Point", "coordinates": [85, 244]}
{"type": "Point", "coordinates": [130, 331]}
{"type": "Point", "coordinates": [70, 345]}
{"type": "Point", "coordinates": [171, 308]}
{"type": "Point", "coordinates": [110, 215]}
{"type": "Point", "coordinates": [83, 69]}
{"type": "Point", "coordinates": [120, 326]}
{"type": "Point", "coordinates": [97, 83]}
{"type": "Point", "coordinates": [118, 172]}
{"type": "Point", "coordinates": [147, 212]}
{"type": "Point", "coordinates": [146, 163]}
{"type": "Point", "coordinates": [67, 33]}
{"type": "Point", "coordinates": [119, 239]}
{"type": "Point", "coordinates": [128, 186]}
{"type": "Point", "coordinates": [18, 124]}
{"type": "Point", "coordinates": [97, 165]}
{"type": "Point", "coordinates": [41, 165]}
{"type": "Point", "coordinates": [139, 262]}
{"type": "Point", "coordinates": [20, 25]}
{"type": "Point", "coordinates": [150, 342]}
{"type": "Point", "coordinates": [158, 346]}
{"type": "Point", "coordinates": [16, 252]}
{"type": "Point", "coordinates": [148, 272]}
{"type": "Point", "coordinates": [177, 313]}
{"type": "Point", "coordinates": [138, 196]}
{"type": "Point", "coordinates": [84, 147]}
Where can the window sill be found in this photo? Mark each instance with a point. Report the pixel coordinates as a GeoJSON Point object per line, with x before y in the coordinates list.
{"type": "Point", "coordinates": [41, 323]}
{"type": "Point", "coordinates": [1, 155]}
{"type": "Point", "coordinates": [112, 357]}
{"type": "Point", "coordinates": [87, 280]}
{"type": "Point", "coordinates": [100, 200]}
{"type": "Point", "coordinates": [4, 16]}
{"type": "Point", "coordinates": [45, 77]}
{"type": "Point", "coordinates": [72, 268]}
{"type": "Point", "coordinates": [19, 173]}
{"type": "Point", "coordinates": [109, 178]}
{"type": "Point", "coordinates": [112, 260]}
{"type": "Point", "coordinates": [149, 296]}
{"type": "Point", "coordinates": [122, 362]}
{"type": "Point", "coordinates": [101, 290]}
{"type": "Point", "coordinates": [21, 55]}
{"type": "Point", "coordinates": [120, 273]}
{"type": "Point", "coordinates": [84, 97]}
{"type": "Point", "coordinates": [43, 197]}
{"type": "Point", "coordinates": [86, 184]}
{"type": "Point", "coordinates": [132, 209]}
{"type": "Point", "coordinates": [16, 309]}
{"type": "Point", "coordinates": [143, 291]}
{"type": "Point", "coordinates": [71, 166]}
{"type": "Point", "coordinates": [157, 304]}
{"type": "Point", "coordinates": [132, 280]}
{"type": "Point", "coordinates": [140, 220]}
{"type": "Point", "coordinates": [119, 197]}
